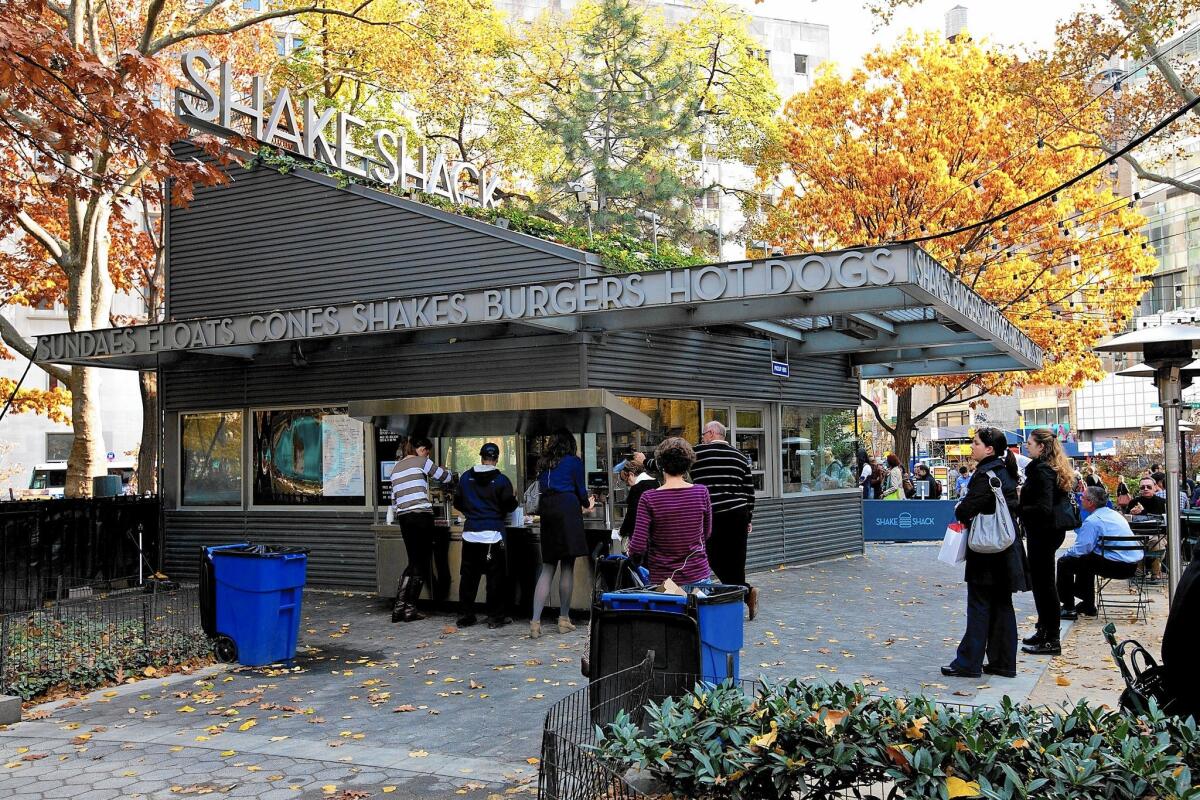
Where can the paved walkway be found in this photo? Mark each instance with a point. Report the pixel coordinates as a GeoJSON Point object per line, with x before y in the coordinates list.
{"type": "Point", "coordinates": [372, 709]}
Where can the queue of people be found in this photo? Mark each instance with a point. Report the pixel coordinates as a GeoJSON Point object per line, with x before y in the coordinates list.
{"type": "Point", "coordinates": [692, 528]}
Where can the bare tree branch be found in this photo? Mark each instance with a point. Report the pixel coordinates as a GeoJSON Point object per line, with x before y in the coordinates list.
{"type": "Point", "coordinates": [889, 428]}
{"type": "Point", "coordinates": [1145, 174]}
{"type": "Point", "coordinates": [13, 338]}
{"type": "Point", "coordinates": [56, 247]}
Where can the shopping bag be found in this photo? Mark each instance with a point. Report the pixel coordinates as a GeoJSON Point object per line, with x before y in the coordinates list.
{"type": "Point", "coordinates": [954, 545]}
{"type": "Point", "coordinates": [894, 494]}
{"type": "Point", "coordinates": [995, 532]}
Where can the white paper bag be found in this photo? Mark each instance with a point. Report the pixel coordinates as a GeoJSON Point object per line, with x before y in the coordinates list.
{"type": "Point", "coordinates": [954, 545]}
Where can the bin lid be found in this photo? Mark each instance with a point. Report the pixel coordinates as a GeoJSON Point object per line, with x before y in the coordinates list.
{"type": "Point", "coordinates": [259, 550]}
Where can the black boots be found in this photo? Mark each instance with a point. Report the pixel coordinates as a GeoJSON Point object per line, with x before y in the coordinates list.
{"type": "Point", "coordinates": [1043, 643]}
{"type": "Point", "coordinates": [407, 592]}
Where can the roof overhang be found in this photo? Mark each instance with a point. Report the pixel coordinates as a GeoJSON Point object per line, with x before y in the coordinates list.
{"type": "Point", "coordinates": [893, 310]}
{"type": "Point", "coordinates": [532, 413]}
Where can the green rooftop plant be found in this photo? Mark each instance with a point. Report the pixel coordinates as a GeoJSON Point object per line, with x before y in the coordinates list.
{"type": "Point", "coordinates": [793, 740]}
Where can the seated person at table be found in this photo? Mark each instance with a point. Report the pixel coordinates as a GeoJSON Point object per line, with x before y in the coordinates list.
{"type": "Point", "coordinates": [922, 473]}
{"type": "Point", "coordinates": [1147, 502]}
{"type": "Point", "coordinates": [1087, 558]}
{"type": "Point", "coordinates": [674, 521]}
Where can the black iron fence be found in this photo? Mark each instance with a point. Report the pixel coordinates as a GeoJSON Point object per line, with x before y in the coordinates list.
{"type": "Point", "coordinates": [51, 550]}
{"type": "Point", "coordinates": [90, 641]}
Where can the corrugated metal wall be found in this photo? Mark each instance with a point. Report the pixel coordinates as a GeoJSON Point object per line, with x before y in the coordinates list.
{"type": "Point", "coordinates": [693, 363]}
{"type": "Point", "coordinates": [796, 530]}
{"type": "Point", "coordinates": [313, 243]}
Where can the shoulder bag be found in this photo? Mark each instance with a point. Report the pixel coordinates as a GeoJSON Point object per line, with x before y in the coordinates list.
{"type": "Point", "coordinates": [995, 532]}
{"type": "Point", "coordinates": [1066, 513]}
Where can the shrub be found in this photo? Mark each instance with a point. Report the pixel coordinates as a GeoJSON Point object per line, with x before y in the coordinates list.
{"type": "Point", "coordinates": [794, 739]}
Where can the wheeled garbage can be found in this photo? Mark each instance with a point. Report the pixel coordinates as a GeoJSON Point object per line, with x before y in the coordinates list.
{"type": "Point", "coordinates": [250, 601]}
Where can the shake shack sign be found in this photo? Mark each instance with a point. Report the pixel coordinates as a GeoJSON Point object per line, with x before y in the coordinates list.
{"type": "Point", "coordinates": [595, 299]}
{"type": "Point", "coordinates": [327, 135]}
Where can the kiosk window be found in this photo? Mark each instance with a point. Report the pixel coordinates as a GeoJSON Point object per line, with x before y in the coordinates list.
{"type": "Point", "coordinates": [667, 418]}
{"type": "Point", "coordinates": [817, 449]}
{"type": "Point", "coordinates": [309, 456]}
{"type": "Point", "coordinates": [210, 459]}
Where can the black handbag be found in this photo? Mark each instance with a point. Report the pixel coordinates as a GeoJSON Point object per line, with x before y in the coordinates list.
{"type": "Point", "coordinates": [1066, 513]}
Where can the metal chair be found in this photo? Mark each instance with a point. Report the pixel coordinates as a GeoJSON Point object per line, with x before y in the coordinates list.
{"type": "Point", "coordinates": [1135, 599]}
{"type": "Point", "coordinates": [1154, 528]}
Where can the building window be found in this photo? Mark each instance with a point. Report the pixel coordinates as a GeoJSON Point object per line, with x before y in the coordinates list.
{"type": "Point", "coordinates": [709, 200]}
{"type": "Point", "coordinates": [210, 460]}
{"type": "Point", "coordinates": [817, 449]}
{"type": "Point", "coordinates": [310, 456]}
{"type": "Point", "coordinates": [667, 418]}
{"type": "Point", "coordinates": [58, 446]}
{"type": "Point", "coordinates": [801, 63]}
{"type": "Point", "coordinates": [946, 419]}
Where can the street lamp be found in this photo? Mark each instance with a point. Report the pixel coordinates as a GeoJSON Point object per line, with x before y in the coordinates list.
{"type": "Point", "coordinates": [653, 219]}
{"type": "Point", "coordinates": [1168, 350]}
{"type": "Point", "coordinates": [583, 195]}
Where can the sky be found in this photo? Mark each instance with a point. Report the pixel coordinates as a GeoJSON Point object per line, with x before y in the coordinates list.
{"type": "Point", "coordinates": [1009, 22]}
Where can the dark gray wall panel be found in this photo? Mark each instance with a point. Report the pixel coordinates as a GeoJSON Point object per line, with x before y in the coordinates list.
{"type": "Point", "coordinates": [341, 545]}
{"type": "Point", "coordinates": [699, 364]}
{"type": "Point", "coordinates": [265, 240]}
{"type": "Point", "coordinates": [797, 530]}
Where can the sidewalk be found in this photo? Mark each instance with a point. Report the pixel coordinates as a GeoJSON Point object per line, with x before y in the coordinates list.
{"type": "Point", "coordinates": [422, 710]}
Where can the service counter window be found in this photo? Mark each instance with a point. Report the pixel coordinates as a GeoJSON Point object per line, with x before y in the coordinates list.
{"type": "Point", "coordinates": [667, 418]}
{"type": "Point", "coordinates": [308, 457]}
{"type": "Point", "coordinates": [460, 453]}
{"type": "Point", "coordinates": [746, 429]}
{"type": "Point", "coordinates": [210, 460]}
{"type": "Point", "coordinates": [817, 449]}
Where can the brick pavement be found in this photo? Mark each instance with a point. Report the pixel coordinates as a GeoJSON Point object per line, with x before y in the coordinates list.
{"type": "Point", "coordinates": [474, 699]}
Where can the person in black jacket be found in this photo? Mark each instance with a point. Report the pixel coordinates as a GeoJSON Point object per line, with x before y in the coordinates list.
{"type": "Point", "coordinates": [922, 473]}
{"type": "Point", "coordinates": [639, 482]}
{"type": "Point", "coordinates": [1048, 480]}
{"type": "Point", "coordinates": [991, 577]}
{"type": "Point", "coordinates": [485, 497]}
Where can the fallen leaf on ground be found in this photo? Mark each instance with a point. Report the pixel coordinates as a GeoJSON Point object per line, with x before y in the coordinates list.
{"type": "Point", "coordinates": [1062, 680]}
{"type": "Point", "coordinates": [404, 708]}
{"type": "Point", "coordinates": [417, 753]}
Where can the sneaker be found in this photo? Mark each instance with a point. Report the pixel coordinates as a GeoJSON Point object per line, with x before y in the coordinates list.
{"type": "Point", "coordinates": [1068, 613]}
{"type": "Point", "coordinates": [466, 621]}
{"type": "Point", "coordinates": [1003, 673]}
{"type": "Point", "coordinates": [498, 622]}
{"type": "Point", "coordinates": [1043, 648]}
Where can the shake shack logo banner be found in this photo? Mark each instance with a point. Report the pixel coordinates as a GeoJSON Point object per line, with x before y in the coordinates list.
{"type": "Point", "coordinates": [324, 135]}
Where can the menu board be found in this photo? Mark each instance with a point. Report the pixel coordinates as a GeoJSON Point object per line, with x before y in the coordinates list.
{"type": "Point", "coordinates": [341, 456]}
{"type": "Point", "coordinates": [387, 446]}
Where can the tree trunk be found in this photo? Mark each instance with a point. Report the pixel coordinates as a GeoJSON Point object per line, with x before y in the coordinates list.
{"type": "Point", "coordinates": [904, 425]}
{"type": "Point", "coordinates": [147, 463]}
{"type": "Point", "coordinates": [87, 449]}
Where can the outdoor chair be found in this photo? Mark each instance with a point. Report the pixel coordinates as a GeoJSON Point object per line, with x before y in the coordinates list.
{"type": "Point", "coordinates": [1154, 528]}
{"type": "Point", "coordinates": [1135, 598]}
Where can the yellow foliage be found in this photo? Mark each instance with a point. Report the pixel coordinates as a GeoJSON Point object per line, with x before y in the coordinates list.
{"type": "Point", "coordinates": [894, 151]}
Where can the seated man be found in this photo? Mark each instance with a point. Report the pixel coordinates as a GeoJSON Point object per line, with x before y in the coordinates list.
{"type": "Point", "coordinates": [1147, 500]}
{"type": "Point", "coordinates": [1088, 558]}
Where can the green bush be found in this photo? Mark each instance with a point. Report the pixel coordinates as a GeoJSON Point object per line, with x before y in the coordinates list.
{"type": "Point", "coordinates": [795, 739]}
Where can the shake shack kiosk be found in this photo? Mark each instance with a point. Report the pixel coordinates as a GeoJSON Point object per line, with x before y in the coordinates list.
{"type": "Point", "coordinates": [309, 325]}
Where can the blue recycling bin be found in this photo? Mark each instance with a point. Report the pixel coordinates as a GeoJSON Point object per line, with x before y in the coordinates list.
{"type": "Point", "coordinates": [255, 593]}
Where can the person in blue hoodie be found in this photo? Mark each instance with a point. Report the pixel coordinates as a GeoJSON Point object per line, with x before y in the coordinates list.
{"type": "Point", "coordinates": [485, 497]}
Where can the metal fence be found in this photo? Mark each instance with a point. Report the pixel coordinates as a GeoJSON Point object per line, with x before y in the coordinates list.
{"type": "Point", "coordinates": [58, 549]}
{"type": "Point", "coordinates": [89, 641]}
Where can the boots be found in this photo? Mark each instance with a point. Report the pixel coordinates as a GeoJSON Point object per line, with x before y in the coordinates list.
{"type": "Point", "coordinates": [1046, 645]}
{"type": "Point", "coordinates": [1038, 637]}
{"type": "Point", "coordinates": [407, 592]}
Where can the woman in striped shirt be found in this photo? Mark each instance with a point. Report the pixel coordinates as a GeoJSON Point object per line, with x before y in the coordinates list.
{"type": "Point", "coordinates": [675, 520]}
{"type": "Point", "coordinates": [414, 511]}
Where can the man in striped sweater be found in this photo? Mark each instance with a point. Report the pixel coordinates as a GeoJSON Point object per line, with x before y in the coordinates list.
{"type": "Point", "coordinates": [726, 472]}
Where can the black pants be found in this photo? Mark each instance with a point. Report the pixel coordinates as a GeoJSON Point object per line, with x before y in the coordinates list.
{"type": "Point", "coordinates": [479, 560]}
{"type": "Point", "coordinates": [727, 547]}
{"type": "Point", "coordinates": [991, 630]}
{"type": "Point", "coordinates": [417, 529]}
{"type": "Point", "coordinates": [1040, 547]}
{"type": "Point", "coordinates": [1077, 578]}
{"type": "Point", "coordinates": [440, 552]}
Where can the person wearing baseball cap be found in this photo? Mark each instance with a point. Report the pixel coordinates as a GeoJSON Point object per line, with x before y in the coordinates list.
{"type": "Point", "coordinates": [485, 497]}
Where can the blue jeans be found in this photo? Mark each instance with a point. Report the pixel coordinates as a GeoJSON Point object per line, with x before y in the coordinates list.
{"type": "Point", "coordinates": [991, 629]}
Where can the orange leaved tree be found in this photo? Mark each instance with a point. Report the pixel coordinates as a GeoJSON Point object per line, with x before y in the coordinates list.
{"type": "Point", "coordinates": [85, 128]}
{"type": "Point", "coordinates": [930, 136]}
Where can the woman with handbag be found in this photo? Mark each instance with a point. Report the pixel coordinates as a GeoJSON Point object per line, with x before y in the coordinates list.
{"type": "Point", "coordinates": [1048, 511]}
{"type": "Point", "coordinates": [893, 488]}
{"type": "Point", "coordinates": [991, 577]}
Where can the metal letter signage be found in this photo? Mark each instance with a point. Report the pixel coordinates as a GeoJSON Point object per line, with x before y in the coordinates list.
{"type": "Point", "coordinates": [324, 135]}
{"type": "Point", "coordinates": [598, 300]}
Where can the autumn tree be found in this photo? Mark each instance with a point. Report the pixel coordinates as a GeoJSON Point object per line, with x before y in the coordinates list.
{"type": "Point", "coordinates": [929, 137]}
{"type": "Point", "coordinates": [83, 91]}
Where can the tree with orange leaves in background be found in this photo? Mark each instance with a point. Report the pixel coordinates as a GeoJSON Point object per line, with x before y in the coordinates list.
{"type": "Point", "coordinates": [931, 136]}
{"type": "Point", "coordinates": [85, 131]}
